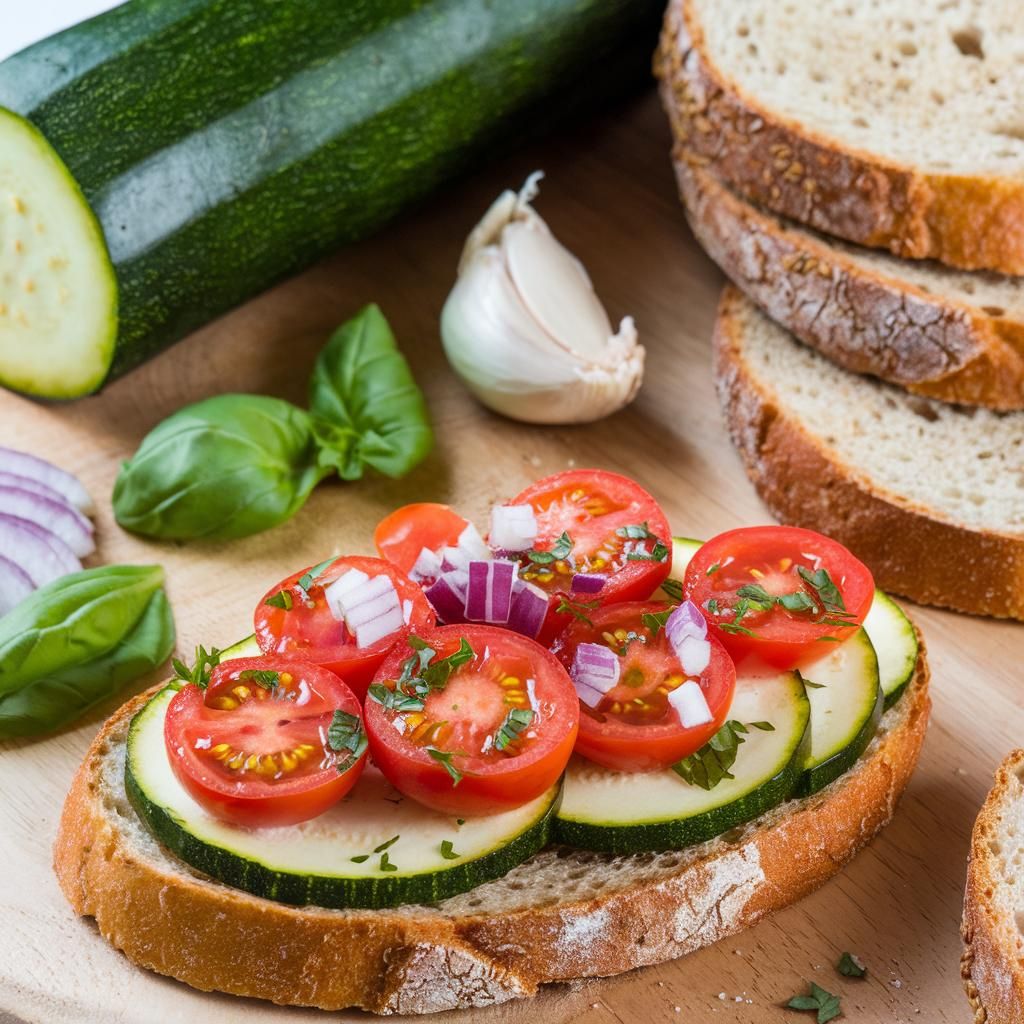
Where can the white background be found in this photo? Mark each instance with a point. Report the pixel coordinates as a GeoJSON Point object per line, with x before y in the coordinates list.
{"type": "Point", "coordinates": [24, 21]}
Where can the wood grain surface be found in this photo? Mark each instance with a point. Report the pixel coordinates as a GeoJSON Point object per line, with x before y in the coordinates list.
{"type": "Point", "coordinates": [609, 195]}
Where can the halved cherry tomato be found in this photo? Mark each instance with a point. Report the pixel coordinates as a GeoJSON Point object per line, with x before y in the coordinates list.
{"type": "Point", "coordinates": [296, 621]}
{"type": "Point", "coordinates": [493, 734]}
{"type": "Point", "coordinates": [779, 594]}
{"type": "Point", "coordinates": [634, 728]}
{"type": "Point", "coordinates": [401, 536]}
{"type": "Point", "coordinates": [615, 528]}
{"type": "Point", "coordinates": [254, 747]}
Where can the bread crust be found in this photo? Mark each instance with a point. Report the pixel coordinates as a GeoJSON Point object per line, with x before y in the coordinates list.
{"type": "Point", "coordinates": [972, 222]}
{"type": "Point", "coordinates": [909, 551]}
{"type": "Point", "coordinates": [991, 966]}
{"type": "Point", "coordinates": [422, 959]}
{"type": "Point", "coordinates": [860, 318]}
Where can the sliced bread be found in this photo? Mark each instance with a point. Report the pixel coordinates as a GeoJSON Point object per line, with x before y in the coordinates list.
{"type": "Point", "coordinates": [886, 122]}
{"type": "Point", "coordinates": [563, 914]}
{"type": "Point", "coordinates": [993, 926]}
{"type": "Point", "coordinates": [929, 495]}
{"type": "Point", "coordinates": [950, 334]}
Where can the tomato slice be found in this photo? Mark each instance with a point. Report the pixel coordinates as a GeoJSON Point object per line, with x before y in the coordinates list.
{"type": "Point", "coordinates": [471, 720]}
{"type": "Point", "coordinates": [295, 620]}
{"type": "Point", "coordinates": [401, 536]}
{"type": "Point", "coordinates": [613, 528]}
{"type": "Point", "coordinates": [779, 594]}
{"type": "Point", "coordinates": [255, 748]}
{"type": "Point", "coordinates": [634, 728]}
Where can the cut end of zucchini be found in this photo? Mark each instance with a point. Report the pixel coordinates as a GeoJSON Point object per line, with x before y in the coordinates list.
{"type": "Point", "coordinates": [58, 292]}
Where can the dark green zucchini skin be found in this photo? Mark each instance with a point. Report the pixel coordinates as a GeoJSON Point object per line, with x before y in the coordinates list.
{"type": "Point", "coordinates": [225, 144]}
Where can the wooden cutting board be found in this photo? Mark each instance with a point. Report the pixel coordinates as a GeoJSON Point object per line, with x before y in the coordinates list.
{"type": "Point", "coordinates": [610, 197]}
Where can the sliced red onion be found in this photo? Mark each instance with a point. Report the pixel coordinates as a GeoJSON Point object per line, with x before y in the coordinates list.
{"type": "Point", "coordinates": [489, 593]}
{"type": "Point", "coordinates": [448, 596]}
{"type": "Point", "coordinates": [63, 483]}
{"type": "Point", "coordinates": [15, 585]}
{"type": "Point", "coordinates": [513, 527]}
{"type": "Point", "coordinates": [26, 483]}
{"type": "Point", "coordinates": [694, 654]}
{"type": "Point", "coordinates": [588, 582]}
{"type": "Point", "coordinates": [529, 608]}
{"type": "Point", "coordinates": [690, 704]}
{"type": "Point", "coordinates": [56, 516]}
{"type": "Point", "coordinates": [426, 567]}
{"type": "Point", "coordinates": [595, 670]}
{"type": "Point", "coordinates": [42, 555]}
{"type": "Point", "coordinates": [335, 593]}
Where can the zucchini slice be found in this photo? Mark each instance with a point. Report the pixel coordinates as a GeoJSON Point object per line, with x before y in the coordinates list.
{"type": "Point", "coordinates": [621, 812]}
{"type": "Point", "coordinates": [58, 292]}
{"type": "Point", "coordinates": [312, 863]}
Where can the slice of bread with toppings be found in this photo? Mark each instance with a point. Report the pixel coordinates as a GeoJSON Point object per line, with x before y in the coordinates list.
{"type": "Point", "coordinates": [888, 123]}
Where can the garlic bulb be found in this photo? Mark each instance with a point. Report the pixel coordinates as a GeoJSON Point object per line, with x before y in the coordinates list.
{"type": "Point", "coordinates": [523, 328]}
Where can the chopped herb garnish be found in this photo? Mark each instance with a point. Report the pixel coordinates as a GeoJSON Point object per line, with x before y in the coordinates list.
{"type": "Point", "coordinates": [261, 677]}
{"type": "Point", "coordinates": [825, 1004]}
{"type": "Point", "coordinates": [444, 758]}
{"type": "Point", "coordinates": [307, 578]}
{"type": "Point", "coordinates": [396, 699]}
{"type": "Point", "coordinates": [516, 721]}
{"type": "Point", "coordinates": [712, 569]}
{"type": "Point", "coordinates": [448, 850]}
{"type": "Point", "coordinates": [712, 605]}
{"type": "Point", "coordinates": [850, 966]}
{"type": "Point", "coordinates": [828, 593]}
{"type": "Point", "coordinates": [638, 532]}
{"type": "Point", "coordinates": [346, 733]}
{"type": "Point", "coordinates": [282, 599]}
{"type": "Point", "coordinates": [812, 684]}
{"type": "Point", "coordinates": [558, 552]}
{"type": "Point", "coordinates": [437, 673]}
{"type": "Point", "coordinates": [673, 590]}
{"type": "Point", "coordinates": [577, 609]}
{"type": "Point", "coordinates": [387, 843]}
{"type": "Point", "coordinates": [360, 859]}
{"type": "Point", "coordinates": [658, 553]}
{"type": "Point", "coordinates": [419, 676]}
{"type": "Point", "coordinates": [654, 621]}
{"type": "Point", "coordinates": [199, 674]}
{"type": "Point", "coordinates": [386, 865]}
{"type": "Point", "coordinates": [709, 765]}
{"type": "Point", "coordinates": [460, 821]}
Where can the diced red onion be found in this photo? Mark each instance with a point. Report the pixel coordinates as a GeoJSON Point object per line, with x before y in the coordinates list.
{"type": "Point", "coordinates": [470, 547]}
{"type": "Point", "coordinates": [594, 668]}
{"type": "Point", "coordinates": [63, 483]}
{"type": "Point", "coordinates": [335, 593]}
{"type": "Point", "coordinates": [376, 629]}
{"type": "Point", "coordinates": [513, 527]}
{"type": "Point", "coordinates": [588, 694]}
{"type": "Point", "coordinates": [690, 704]}
{"type": "Point", "coordinates": [489, 593]}
{"type": "Point", "coordinates": [529, 608]}
{"type": "Point", "coordinates": [448, 596]}
{"type": "Point", "coordinates": [426, 567]}
{"type": "Point", "coordinates": [686, 620]}
{"type": "Point", "coordinates": [588, 582]}
{"type": "Point", "coordinates": [406, 611]}
{"type": "Point", "coordinates": [42, 555]}
{"type": "Point", "coordinates": [58, 517]}
{"type": "Point", "coordinates": [694, 654]}
{"type": "Point", "coordinates": [15, 585]}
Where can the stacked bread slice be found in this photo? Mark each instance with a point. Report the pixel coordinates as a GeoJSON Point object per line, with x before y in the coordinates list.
{"type": "Point", "coordinates": [829, 156]}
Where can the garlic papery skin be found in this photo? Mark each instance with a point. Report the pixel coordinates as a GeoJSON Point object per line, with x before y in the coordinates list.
{"type": "Point", "coordinates": [524, 329]}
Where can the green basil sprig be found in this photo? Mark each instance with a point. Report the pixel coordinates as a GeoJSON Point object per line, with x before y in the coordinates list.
{"type": "Point", "coordinates": [77, 641]}
{"type": "Point", "coordinates": [234, 465]}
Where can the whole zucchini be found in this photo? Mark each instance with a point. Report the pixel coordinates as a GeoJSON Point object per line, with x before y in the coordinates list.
{"type": "Point", "coordinates": [167, 160]}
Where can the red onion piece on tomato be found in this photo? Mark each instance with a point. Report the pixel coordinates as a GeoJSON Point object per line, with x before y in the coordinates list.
{"type": "Point", "coordinates": [529, 608]}
{"type": "Point", "coordinates": [513, 527]}
{"type": "Point", "coordinates": [690, 703]}
{"type": "Point", "coordinates": [489, 593]}
{"type": "Point", "coordinates": [42, 555]}
{"type": "Point", "coordinates": [15, 585]}
{"type": "Point", "coordinates": [447, 594]}
{"type": "Point", "coordinates": [56, 516]}
{"type": "Point", "coordinates": [588, 582]}
{"type": "Point", "coordinates": [57, 479]}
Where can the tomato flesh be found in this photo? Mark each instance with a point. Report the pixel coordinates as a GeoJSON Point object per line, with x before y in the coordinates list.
{"type": "Point", "coordinates": [634, 728]}
{"type": "Point", "coordinates": [402, 535]}
{"type": "Point", "coordinates": [617, 530]}
{"type": "Point", "coordinates": [779, 595]}
{"type": "Point", "coordinates": [259, 755]}
{"type": "Point", "coordinates": [307, 629]}
{"type": "Point", "coordinates": [445, 749]}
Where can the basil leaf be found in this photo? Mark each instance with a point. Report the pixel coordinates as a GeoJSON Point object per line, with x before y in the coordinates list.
{"type": "Point", "coordinates": [367, 408]}
{"type": "Point", "coordinates": [225, 467]}
{"type": "Point", "coordinates": [78, 641]}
